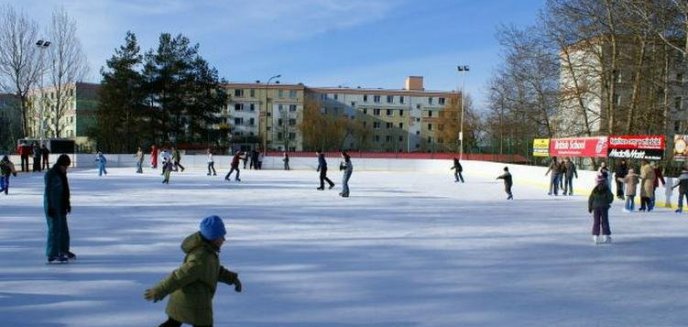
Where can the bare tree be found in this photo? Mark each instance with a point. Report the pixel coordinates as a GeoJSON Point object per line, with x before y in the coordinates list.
{"type": "Point", "coordinates": [67, 66]}
{"type": "Point", "coordinates": [19, 57]}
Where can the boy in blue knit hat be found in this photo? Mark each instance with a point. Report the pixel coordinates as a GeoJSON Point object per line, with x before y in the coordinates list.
{"type": "Point", "coordinates": [192, 286]}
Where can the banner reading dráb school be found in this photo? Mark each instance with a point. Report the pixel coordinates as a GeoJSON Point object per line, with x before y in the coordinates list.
{"type": "Point", "coordinates": [578, 147]}
{"type": "Point", "coordinates": [540, 147]}
{"type": "Point", "coordinates": [649, 147]}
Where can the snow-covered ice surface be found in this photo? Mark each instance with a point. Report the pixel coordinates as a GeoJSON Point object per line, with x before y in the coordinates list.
{"type": "Point", "coordinates": [406, 249]}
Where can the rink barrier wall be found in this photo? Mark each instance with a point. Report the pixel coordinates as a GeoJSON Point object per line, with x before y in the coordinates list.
{"type": "Point", "coordinates": [522, 174]}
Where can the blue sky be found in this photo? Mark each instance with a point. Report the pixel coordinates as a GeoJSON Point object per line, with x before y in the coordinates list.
{"type": "Point", "coordinates": [367, 43]}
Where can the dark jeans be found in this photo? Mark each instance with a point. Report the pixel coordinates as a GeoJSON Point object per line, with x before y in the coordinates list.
{"type": "Point", "coordinates": [5, 185]}
{"type": "Point", "coordinates": [601, 216]}
{"type": "Point", "coordinates": [25, 163]}
{"type": "Point", "coordinates": [619, 189]}
{"type": "Point", "coordinates": [211, 165]}
{"type": "Point", "coordinates": [323, 178]}
{"type": "Point", "coordinates": [680, 199]}
{"type": "Point", "coordinates": [458, 176]}
{"type": "Point", "coordinates": [46, 164]}
{"type": "Point", "coordinates": [568, 184]}
{"type": "Point", "coordinates": [58, 235]}
{"type": "Point", "coordinates": [229, 174]}
{"type": "Point", "coordinates": [178, 165]}
{"type": "Point", "coordinates": [554, 185]}
{"type": "Point", "coordinates": [173, 323]}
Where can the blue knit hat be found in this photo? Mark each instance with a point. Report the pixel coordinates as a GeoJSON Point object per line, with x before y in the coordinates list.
{"type": "Point", "coordinates": [212, 228]}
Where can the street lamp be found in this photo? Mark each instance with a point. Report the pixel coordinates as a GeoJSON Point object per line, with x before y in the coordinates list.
{"type": "Point", "coordinates": [42, 46]}
{"type": "Point", "coordinates": [267, 89]}
{"type": "Point", "coordinates": [462, 71]}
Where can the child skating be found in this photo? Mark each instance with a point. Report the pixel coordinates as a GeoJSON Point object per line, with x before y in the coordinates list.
{"type": "Point", "coordinates": [192, 286]}
{"type": "Point", "coordinates": [598, 204]}
{"type": "Point", "coordinates": [508, 183]}
{"type": "Point", "coordinates": [630, 182]}
{"type": "Point", "coordinates": [101, 162]}
{"type": "Point", "coordinates": [6, 169]}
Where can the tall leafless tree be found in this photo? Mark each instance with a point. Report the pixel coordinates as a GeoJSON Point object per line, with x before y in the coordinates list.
{"type": "Point", "coordinates": [19, 57]}
{"type": "Point", "coordinates": [68, 65]}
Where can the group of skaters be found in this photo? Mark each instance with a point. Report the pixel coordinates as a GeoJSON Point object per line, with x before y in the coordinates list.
{"type": "Point", "coordinates": [39, 153]}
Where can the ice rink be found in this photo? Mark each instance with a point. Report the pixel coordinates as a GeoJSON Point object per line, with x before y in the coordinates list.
{"type": "Point", "coordinates": [406, 249]}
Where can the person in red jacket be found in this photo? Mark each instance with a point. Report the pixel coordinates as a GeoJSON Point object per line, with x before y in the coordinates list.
{"type": "Point", "coordinates": [24, 151]}
{"type": "Point", "coordinates": [235, 166]}
{"type": "Point", "coordinates": [154, 156]}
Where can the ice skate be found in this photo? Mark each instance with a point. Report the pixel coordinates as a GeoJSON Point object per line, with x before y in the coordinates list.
{"type": "Point", "coordinates": [595, 239]}
{"type": "Point", "coordinates": [606, 239]}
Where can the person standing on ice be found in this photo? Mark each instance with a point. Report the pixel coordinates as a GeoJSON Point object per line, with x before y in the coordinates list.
{"type": "Point", "coordinates": [57, 205]}
{"type": "Point", "coordinates": [348, 168]}
{"type": "Point", "coordinates": [139, 161]}
{"type": "Point", "coordinates": [322, 168]}
{"type": "Point", "coordinates": [554, 177]}
{"type": "Point", "coordinates": [630, 182]}
{"type": "Point", "coordinates": [6, 168]}
{"type": "Point", "coordinates": [659, 177]}
{"type": "Point", "coordinates": [167, 168]}
{"type": "Point", "coordinates": [45, 154]}
{"type": "Point", "coordinates": [647, 188]}
{"type": "Point", "coordinates": [101, 161]}
{"type": "Point", "coordinates": [508, 183]}
{"type": "Point", "coordinates": [285, 159]}
{"type": "Point", "coordinates": [457, 171]}
{"type": "Point", "coordinates": [569, 173]}
{"type": "Point", "coordinates": [154, 157]}
{"type": "Point", "coordinates": [599, 203]}
{"type": "Point", "coordinates": [682, 185]}
{"type": "Point", "coordinates": [165, 157]}
{"type": "Point", "coordinates": [234, 167]}
{"type": "Point", "coordinates": [211, 162]}
{"type": "Point", "coordinates": [192, 286]}
{"type": "Point", "coordinates": [620, 173]}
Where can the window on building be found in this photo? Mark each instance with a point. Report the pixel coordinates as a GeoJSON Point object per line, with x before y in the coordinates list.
{"type": "Point", "coordinates": [418, 106]}
{"type": "Point", "coordinates": [335, 96]}
{"type": "Point", "coordinates": [440, 101]}
{"type": "Point", "coordinates": [252, 93]}
{"type": "Point", "coordinates": [252, 107]}
{"type": "Point", "coordinates": [376, 125]}
{"type": "Point", "coordinates": [238, 121]}
{"type": "Point", "coordinates": [292, 94]}
{"type": "Point", "coordinates": [429, 127]}
{"type": "Point", "coordinates": [401, 125]}
{"type": "Point", "coordinates": [429, 113]}
{"type": "Point", "coordinates": [429, 139]}
{"type": "Point", "coordinates": [238, 93]}
{"type": "Point", "coordinates": [280, 93]}
{"type": "Point", "coordinates": [390, 125]}
{"type": "Point", "coordinates": [279, 122]}
{"type": "Point", "coordinates": [292, 136]}
{"type": "Point", "coordinates": [353, 104]}
{"type": "Point", "coordinates": [279, 136]}
{"type": "Point", "coordinates": [401, 139]}
{"type": "Point", "coordinates": [401, 112]}
{"type": "Point", "coordinates": [430, 100]}
{"type": "Point", "coordinates": [280, 107]}
{"type": "Point", "coordinates": [417, 145]}
{"type": "Point", "coordinates": [678, 101]}
{"type": "Point", "coordinates": [389, 112]}
{"type": "Point", "coordinates": [365, 111]}
{"type": "Point", "coordinates": [292, 122]}
{"type": "Point", "coordinates": [390, 99]}
{"type": "Point", "coordinates": [238, 106]}
{"type": "Point", "coordinates": [251, 121]}
{"type": "Point", "coordinates": [365, 98]}
{"type": "Point", "coordinates": [292, 108]}
{"type": "Point", "coordinates": [401, 99]}
{"type": "Point", "coordinates": [388, 138]}
{"type": "Point", "coordinates": [376, 112]}
{"type": "Point", "coordinates": [417, 132]}
{"type": "Point", "coordinates": [376, 98]}
{"type": "Point", "coordinates": [377, 138]}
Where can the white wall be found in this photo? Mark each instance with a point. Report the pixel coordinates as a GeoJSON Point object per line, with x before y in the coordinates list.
{"type": "Point", "coordinates": [522, 175]}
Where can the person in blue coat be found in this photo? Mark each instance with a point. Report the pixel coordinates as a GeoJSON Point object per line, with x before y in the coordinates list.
{"type": "Point", "coordinates": [101, 161]}
{"type": "Point", "coordinates": [348, 168]}
{"type": "Point", "coordinates": [56, 205]}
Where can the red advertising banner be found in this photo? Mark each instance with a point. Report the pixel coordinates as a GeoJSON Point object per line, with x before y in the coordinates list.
{"type": "Point", "coordinates": [578, 147]}
{"type": "Point", "coordinates": [649, 147]}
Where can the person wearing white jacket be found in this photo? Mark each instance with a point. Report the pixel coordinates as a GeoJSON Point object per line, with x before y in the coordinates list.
{"type": "Point", "coordinates": [211, 163]}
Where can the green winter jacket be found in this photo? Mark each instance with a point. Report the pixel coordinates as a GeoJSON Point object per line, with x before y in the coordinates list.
{"type": "Point", "coordinates": [192, 286]}
{"type": "Point", "coordinates": [601, 197]}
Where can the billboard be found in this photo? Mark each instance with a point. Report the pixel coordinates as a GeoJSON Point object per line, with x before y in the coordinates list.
{"type": "Point", "coordinates": [680, 147]}
{"type": "Point", "coordinates": [578, 147]}
{"type": "Point", "coordinates": [650, 147]}
{"type": "Point", "coordinates": [541, 148]}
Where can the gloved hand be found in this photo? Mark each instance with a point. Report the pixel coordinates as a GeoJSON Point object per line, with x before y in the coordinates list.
{"type": "Point", "coordinates": [51, 212]}
{"type": "Point", "coordinates": [151, 295]}
{"type": "Point", "coordinates": [237, 285]}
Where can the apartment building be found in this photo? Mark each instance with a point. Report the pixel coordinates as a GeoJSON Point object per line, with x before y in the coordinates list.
{"type": "Point", "coordinates": [77, 116]}
{"type": "Point", "coordinates": [404, 120]}
{"type": "Point", "coordinates": [645, 93]}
